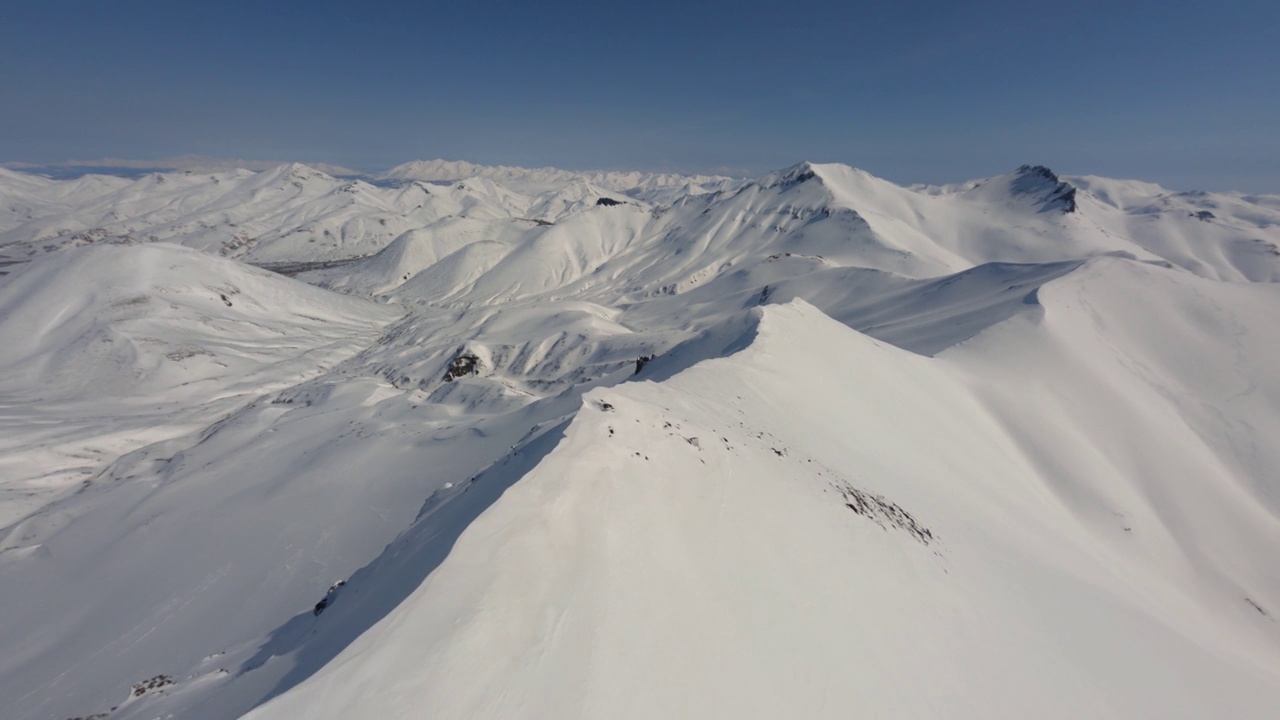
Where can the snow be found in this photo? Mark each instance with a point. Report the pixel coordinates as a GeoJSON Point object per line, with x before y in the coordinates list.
{"type": "Point", "coordinates": [112, 348]}
{"type": "Point", "coordinates": [548, 180]}
{"type": "Point", "coordinates": [945, 451]}
{"type": "Point", "coordinates": [687, 551]}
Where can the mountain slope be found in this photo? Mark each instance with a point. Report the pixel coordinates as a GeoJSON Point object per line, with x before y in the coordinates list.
{"type": "Point", "coordinates": [112, 348]}
{"type": "Point", "coordinates": [294, 215]}
{"type": "Point", "coordinates": [298, 495]}
{"type": "Point", "coordinates": [866, 536]}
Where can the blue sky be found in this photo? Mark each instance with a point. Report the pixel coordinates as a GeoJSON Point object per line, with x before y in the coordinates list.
{"type": "Point", "coordinates": [1183, 94]}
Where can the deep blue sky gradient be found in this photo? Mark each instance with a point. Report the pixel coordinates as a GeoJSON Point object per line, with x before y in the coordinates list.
{"type": "Point", "coordinates": [915, 91]}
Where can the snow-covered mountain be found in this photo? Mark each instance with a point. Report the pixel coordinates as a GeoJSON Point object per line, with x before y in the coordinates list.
{"type": "Point", "coordinates": [539, 181]}
{"type": "Point", "coordinates": [497, 442]}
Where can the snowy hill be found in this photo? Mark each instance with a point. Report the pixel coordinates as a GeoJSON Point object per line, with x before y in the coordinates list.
{"type": "Point", "coordinates": [539, 181]}
{"type": "Point", "coordinates": [867, 536]}
{"type": "Point", "coordinates": [293, 215]}
{"type": "Point", "coordinates": [290, 214]}
{"type": "Point", "coordinates": [538, 443]}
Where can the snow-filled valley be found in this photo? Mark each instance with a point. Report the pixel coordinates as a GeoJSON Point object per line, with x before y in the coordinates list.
{"type": "Point", "coordinates": [469, 442]}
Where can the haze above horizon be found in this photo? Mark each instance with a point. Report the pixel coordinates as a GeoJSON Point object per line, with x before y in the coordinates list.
{"type": "Point", "coordinates": [918, 92]}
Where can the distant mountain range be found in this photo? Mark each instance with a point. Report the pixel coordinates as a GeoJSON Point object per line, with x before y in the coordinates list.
{"type": "Point", "coordinates": [457, 441]}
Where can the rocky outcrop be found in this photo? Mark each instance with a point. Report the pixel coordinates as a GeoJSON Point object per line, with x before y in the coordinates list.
{"type": "Point", "coordinates": [1046, 187]}
{"type": "Point", "coordinates": [329, 597]}
{"type": "Point", "coordinates": [465, 363]}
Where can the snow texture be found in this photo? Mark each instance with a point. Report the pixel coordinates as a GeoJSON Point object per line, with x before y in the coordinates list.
{"type": "Point", "coordinates": [468, 442]}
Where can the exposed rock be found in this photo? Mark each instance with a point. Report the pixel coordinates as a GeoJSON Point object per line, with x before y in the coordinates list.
{"type": "Point", "coordinates": [883, 512]}
{"type": "Point", "coordinates": [795, 176]}
{"type": "Point", "coordinates": [641, 362]}
{"type": "Point", "coordinates": [1258, 607]}
{"type": "Point", "coordinates": [152, 685]}
{"type": "Point", "coordinates": [464, 364]}
{"type": "Point", "coordinates": [329, 597]}
{"type": "Point", "coordinates": [1052, 191]}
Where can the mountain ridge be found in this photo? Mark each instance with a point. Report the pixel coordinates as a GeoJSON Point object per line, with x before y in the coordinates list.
{"type": "Point", "coordinates": [799, 442]}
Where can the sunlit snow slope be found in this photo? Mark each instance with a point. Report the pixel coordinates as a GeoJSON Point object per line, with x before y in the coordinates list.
{"type": "Point", "coordinates": [498, 442]}
{"type": "Point", "coordinates": [826, 526]}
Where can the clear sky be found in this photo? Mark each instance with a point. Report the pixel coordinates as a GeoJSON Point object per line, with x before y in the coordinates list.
{"type": "Point", "coordinates": [1182, 93]}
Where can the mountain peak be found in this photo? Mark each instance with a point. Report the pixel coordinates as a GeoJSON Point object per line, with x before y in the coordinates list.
{"type": "Point", "coordinates": [1045, 185]}
{"type": "Point", "coordinates": [794, 175]}
{"type": "Point", "coordinates": [1039, 171]}
{"type": "Point", "coordinates": [293, 170]}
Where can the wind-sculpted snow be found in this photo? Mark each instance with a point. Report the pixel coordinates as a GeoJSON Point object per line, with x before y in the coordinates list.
{"type": "Point", "coordinates": [533, 443]}
{"type": "Point", "coordinates": [821, 525]}
{"type": "Point", "coordinates": [107, 349]}
{"type": "Point", "coordinates": [294, 214]}
{"type": "Point", "coordinates": [142, 320]}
